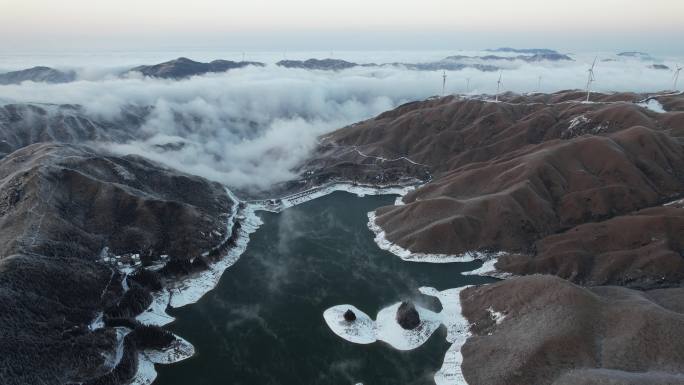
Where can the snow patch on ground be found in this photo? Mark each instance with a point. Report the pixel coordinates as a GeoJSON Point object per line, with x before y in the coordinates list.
{"type": "Point", "coordinates": [488, 270]}
{"type": "Point", "coordinates": [653, 105]}
{"type": "Point", "coordinates": [450, 372]}
{"type": "Point", "coordinates": [576, 121]}
{"type": "Point", "coordinates": [458, 331]}
{"type": "Point", "coordinates": [450, 316]}
{"type": "Point", "coordinates": [360, 331]}
{"type": "Point", "coordinates": [280, 204]}
{"type": "Point", "coordinates": [112, 359]}
{"type": "Point", "coordinates": [382, 159]}
{"type": "Point", "coordinates": [386, 328]}
{"type": "Point", "coordinates": [366, 331]}
{"type": "Point", "coordinates": [146, 373]}
{"type": "Point", "coordinates": [497, 316]}
{"type": "Point", "coordinates": [405, 254]}
{"type": "Point", "coordinates": [390, 331]}
{"type": "Point", "coordinates": [179, 350]}
{"type": "Point", "coordinates": [156, 314]}
{"type": "Point", "coordinates": [98, 322]}
{"type": "Point", "coordinates": [191, 289]}
{"type": "Point", "coordinates": [676, 202]}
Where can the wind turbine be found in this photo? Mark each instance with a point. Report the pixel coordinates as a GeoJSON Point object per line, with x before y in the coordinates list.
{"type": "Point", "coordinates": [468, 85]}
{"type": "Point", "coordinates": [444, 78]}
{"type": "Point", "coordinates": [539, 84]}
{"type": "Point", "coordinates": [498, 86]}
{"type": "Point", "coordinates": [591, 78]}
{"type": "Point", "coordinates": [676, 75]}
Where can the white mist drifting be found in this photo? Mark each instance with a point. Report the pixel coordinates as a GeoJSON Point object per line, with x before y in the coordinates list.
{"type": "Point", "coordinates": [248, 128]}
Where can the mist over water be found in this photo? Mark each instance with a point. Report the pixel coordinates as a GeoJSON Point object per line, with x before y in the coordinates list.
{"type": "Point", "coordinates": [249, 127]}
{"type": "Point", "coordinates": [263, 324]}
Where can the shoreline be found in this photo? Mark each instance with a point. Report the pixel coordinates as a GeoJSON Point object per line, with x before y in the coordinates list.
{"type": "Point", "coordinates": [409, 256]}
{"type": "Point", "coordinates": [192, 288]}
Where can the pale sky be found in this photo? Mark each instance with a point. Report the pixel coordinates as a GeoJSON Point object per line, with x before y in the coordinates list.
{"type": "Point", "coordinates": [342, 24]}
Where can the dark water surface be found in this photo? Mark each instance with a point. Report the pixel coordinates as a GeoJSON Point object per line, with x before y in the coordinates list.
{"type": "Point", "coordinates": [264, 324]}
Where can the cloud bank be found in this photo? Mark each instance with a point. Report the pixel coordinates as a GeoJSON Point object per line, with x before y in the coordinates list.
{"type": "Point", "coordinates": [248, 128]}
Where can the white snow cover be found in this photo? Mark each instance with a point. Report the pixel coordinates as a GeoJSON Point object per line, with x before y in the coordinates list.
{"type": "Point", "coordinates": [191, 289]}
{"type": "Point", "coordinates": [146, 373]}
{"type": "Point", "coordinates": [576, 121]}
{"type": "Point", "coordinates": [653, 105]}
{"type": "Point", "coordinates": [401, 158]}
{"type": "Point", "coordinates": [179, 350]}
{"type": "Point", "coordinates": [399, 201]}
{"type": "Point", "coordinates": [98, 322]}
{"type": "Point", "coordinates": [488, 270]}
{"type": "Point", "coordinates": [156, 314]}
{"type": "Point", "coordinates": [497, 316]}
{"type": "Point", "coordinates": [112, 359]}
{"type": "Point", "coordinates": [456, 325]}
{"type": "Point", "coordinates": [386, 328]}
{"type": "Point", "coordinates": [450, 372]}
{"type": "Point", "coordinates": [405, 254]}
{"type": "Point", "coordinates": [365, 331]}
{"type": "Point", "coordinates": [457, 333]}
{"type": "Point", "coordinates": [390, 331]}
{"type": "Point", "coordinates": [318, 192]}
{"type": "Point", "coordinates": [360, 331]}
{"type": "Point", "coordinates": [674, 202]}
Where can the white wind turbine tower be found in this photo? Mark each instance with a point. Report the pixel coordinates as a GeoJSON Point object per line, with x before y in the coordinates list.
{"type": "Point", "coordinates": [676, 76]}
{"type": "Point", "coordinates": [444, 78]}
{"type": "Point", "coordinates": [468, 85]}
{"type": "Point", "coordinates": [498, 86]}
{"type": "Point", "coordinates": [591, 78]}
{"type": "Point", "coordinates": [539, 84]}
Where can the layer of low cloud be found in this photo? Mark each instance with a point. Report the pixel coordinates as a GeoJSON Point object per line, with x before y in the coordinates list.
{"type": "Point", "coordinates": [249, 128]}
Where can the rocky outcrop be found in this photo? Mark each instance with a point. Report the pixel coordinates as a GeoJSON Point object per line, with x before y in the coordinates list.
{"type": "Point", "coordinates": [349, 316]}
{"type": "Point", "coordinates": [407, 316]}
{"type": "Point", "coordinates": [37, 74]}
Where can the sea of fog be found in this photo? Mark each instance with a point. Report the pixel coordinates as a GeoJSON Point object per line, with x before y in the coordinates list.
{"type": "Point", "coordinates": [249, 127]}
